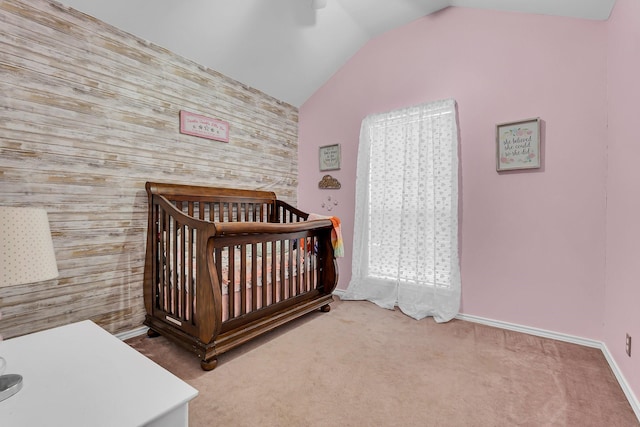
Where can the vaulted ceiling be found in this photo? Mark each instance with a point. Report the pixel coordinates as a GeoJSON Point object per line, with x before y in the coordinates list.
{"type": "Point", "coordinates": [287, 48]}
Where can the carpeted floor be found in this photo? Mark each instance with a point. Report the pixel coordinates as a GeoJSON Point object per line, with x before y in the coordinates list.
{"type": "Point", "coordinates": [361, 365]}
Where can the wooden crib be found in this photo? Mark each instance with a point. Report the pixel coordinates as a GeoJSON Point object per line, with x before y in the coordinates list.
{"type": "Point", "coordinates": [225, 265]}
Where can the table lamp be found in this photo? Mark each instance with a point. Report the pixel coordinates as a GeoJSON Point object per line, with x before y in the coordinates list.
{"type": "Point", "coordinates": [26, 256]}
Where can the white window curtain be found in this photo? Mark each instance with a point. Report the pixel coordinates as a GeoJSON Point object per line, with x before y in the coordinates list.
{"type": "Point", "coordinates": [405, 247]}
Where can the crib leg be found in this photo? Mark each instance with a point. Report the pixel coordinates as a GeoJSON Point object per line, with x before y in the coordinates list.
{"type": "Point", "coordinates": [325, 308]}
{"type": "Point", "coordinates": [209, 365]}
{"type": "Point", "coordinates": [152, 334]}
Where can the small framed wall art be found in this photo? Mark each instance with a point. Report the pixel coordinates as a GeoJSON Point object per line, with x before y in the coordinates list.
{"type": "Point", "coordinates": [203, 127]}
{"type": "Point", "coordinates": [330, 157]}
{"type": "Point", "coordinates": [518, 145]}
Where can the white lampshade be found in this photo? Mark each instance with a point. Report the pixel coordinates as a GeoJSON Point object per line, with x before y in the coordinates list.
{"type": "Point", "coordinates": [26, 248]}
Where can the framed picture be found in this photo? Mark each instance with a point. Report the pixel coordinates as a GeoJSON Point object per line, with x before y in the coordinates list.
{"type": "Point", "coordinates": [203, 127]}
{"type": "Point", "coordinates": [330, 157]}
{"type": "Point", "coordinates": [518, 145]}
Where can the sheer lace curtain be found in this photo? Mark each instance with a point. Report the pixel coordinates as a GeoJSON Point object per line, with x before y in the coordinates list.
{"type": "Point", "coordinates": [405, 248]}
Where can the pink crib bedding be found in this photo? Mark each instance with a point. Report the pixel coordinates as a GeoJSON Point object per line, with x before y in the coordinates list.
{"type": "Point", "coordinates": [257, 266]}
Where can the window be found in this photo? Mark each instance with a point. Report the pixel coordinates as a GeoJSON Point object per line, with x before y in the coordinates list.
{"type": "Point", "coordinates": [406, 223]}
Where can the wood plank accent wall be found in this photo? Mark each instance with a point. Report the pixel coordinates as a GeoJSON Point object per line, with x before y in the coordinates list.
{"type": "Point", "coordinates": [88, 114]}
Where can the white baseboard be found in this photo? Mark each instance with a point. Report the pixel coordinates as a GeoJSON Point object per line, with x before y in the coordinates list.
{"type": "Point", "coordinates": [633, 401]}
{"type": "Point", "coordinates": [132, 333]}
{"type": "Point", "coordinates": [531, 331]}
{"type": "Point", "coordinates": [631, 397]}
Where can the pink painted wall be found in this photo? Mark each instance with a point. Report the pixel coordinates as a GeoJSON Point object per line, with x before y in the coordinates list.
{"type": "Point", "coordinates": [622, 299]}
{"type": "Point", "coordinates": [533, 243]}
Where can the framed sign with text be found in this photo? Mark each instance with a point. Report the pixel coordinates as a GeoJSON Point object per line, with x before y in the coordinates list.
{"type": "Point", "coordinates": [204, 127]}
{"type": "Point", "coordinates": [518, 145]}
{"type": "Point", "coordinates": [330, 157]}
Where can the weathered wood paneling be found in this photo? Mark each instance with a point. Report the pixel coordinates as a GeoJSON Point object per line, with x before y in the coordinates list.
{"type": "Point", "coordinates": [90, 113]}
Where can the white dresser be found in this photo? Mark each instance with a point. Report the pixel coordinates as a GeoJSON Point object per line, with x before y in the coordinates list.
{"type": "Point", "coordinates": [81, 375]}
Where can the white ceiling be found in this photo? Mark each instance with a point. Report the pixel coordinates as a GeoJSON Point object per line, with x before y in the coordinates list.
{"type": "Point", "coordinates": [285, 48]}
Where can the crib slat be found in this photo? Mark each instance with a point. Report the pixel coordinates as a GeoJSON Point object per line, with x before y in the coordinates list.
{"type": "Point", "coordinates": [274, 273]}
{"type": "Point", "coordinates": [164, 252]}
{"type": "Point", "coordinates": [218, 260]}
{"type": "Point", "coordinates": [180, 283]}
{"type": "Point", "coordinates": [312, 268]}
{"type": "Point", "coordinates": [299, 261]}
{"type": "Point", "coordinates": [314, 264]}
{"type": "Point", "coordinates": [243, 279]}
{"type": "Point", "coordinates": [296, 268]}
{"type": "Point", "coordinates": [174, 266]}
{"type": "Point", "coordinates": [169, 255]}
{"type": "Point", "coordinates": [231, 288]}
{"type": "Point", "coordinates": [300, 266]}
{"type": "Point", "coordinates": [265, 275]}
{"type": "Point", "coordinates": [158, 279]}
{"type": "Point", "coordinates": [283, 283]}
{"type": "Point", "coordinates": [180, 265]}
{"type": "Point", "coordinates": [202, 211]}
{"type": "Point", "coordinates": [190, 252]}
{"type": "Point", "coordinates": [254, 277]}
{"type": "Point", "coordinates": [168, 266]}
{"type": "Point", "coordinates": [290, 265]}
{"type": "Point", "coordinates": [309, 263]}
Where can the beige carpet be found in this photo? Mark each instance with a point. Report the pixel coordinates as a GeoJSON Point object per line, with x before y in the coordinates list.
{"type": "Point", "coordinates": [360, 365]}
